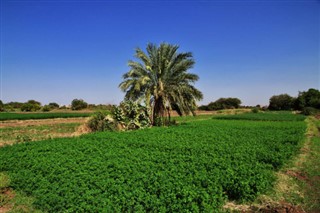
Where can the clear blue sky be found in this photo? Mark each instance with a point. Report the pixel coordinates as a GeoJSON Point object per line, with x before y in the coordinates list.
{"type": "Point", "coordinates": [55, 51]}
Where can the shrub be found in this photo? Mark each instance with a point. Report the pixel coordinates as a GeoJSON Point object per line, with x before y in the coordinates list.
{"type": "Point", "coordinates": [255, 110]}
{"type": "Point", "coordinates": [309, 111]}
{"type": "Point", "coordinates": [29, 107]}
{"type": "Point", "coordinates": [46, 108]}
{"type": "Point", "coordinates": [222, 103]}
{"type": "Point", "coordinates": [78, 104]}
{"type": "Point", "coordinates": [63, 107]}
{"type": "Point", "coordinates": [101, 122]}
{"type": "Point", "coordinates": [127, 116]}
{"type": "Point", "coordinates": [53, 105]}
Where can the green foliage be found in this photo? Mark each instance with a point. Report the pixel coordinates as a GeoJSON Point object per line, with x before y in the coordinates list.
{"type": "Point", "coordinates": [31, 106]}
{"type": "Point", "coordinates": [127, 116]}
{"type": "Point", "coordinates": [101, 122]}
{"type": "Point", "coordinates": [101, 107]}
{"type": "Point", "coordinates": [266, 116]}
{"type": "Point", "coordinates": [54, 105]}
{"type": "Point", "coordinates": [14, 105]}
{"type": "Point", "coordinates": [162, 81]}
{"type": "Point", "coordinates": [255, 110]}
{"type": "Point", "coordinates": [20, 116]}
{"type": "Point", "coordinates": [46, 108]}
{"type": "Point", "coordinates": [203, 107]}
{"type": "Point", "coordinates": [136, 116]}
{"type": "Point", "coordinates": [222, 103]}
{"type": "Point", "coordinates": [310, 98]}
{"type": "Point", "coordinates": [78, 104]}
{"type": "Point", "coordinates": [193, 167]}
{"type": "Point", "coordinates": [281, 102]}
{"type": "Point", "coordinates": [50, 106]}
{"type": "Point", "coordinates": [309, 111]}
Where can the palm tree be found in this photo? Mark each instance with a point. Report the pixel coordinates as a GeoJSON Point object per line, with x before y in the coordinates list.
{"type": "Point", "coordinates": [161, 79]}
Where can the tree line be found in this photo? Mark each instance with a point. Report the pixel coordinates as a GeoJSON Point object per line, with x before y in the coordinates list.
{"type": "Point", "coordinates": [307, 101]}
{"type": "Point", "coordinates": [34, 106]}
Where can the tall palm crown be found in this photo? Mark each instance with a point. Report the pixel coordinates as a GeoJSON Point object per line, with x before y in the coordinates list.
{"type": "Point", "coordinates": [161, 78]}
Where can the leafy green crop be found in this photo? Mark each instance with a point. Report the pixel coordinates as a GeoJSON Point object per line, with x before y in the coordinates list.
{"type": "Point", "coordinates": [267, 116]}
{"type": "Point", "coordinates": [187, 168]}
{"type": "Point", "coordinates": [26, 116]}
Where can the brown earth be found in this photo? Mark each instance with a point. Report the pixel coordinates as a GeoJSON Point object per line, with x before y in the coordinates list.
{"type": "Point", "coordinates": [6, 195]}
{"type": "Point", "coordinates": [38, 122]}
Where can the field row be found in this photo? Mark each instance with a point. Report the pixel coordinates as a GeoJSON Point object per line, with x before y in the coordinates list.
{"type": "Point", "coordinates": [26, 116]}
{"type": "Point", "coordinates": [192, 167]}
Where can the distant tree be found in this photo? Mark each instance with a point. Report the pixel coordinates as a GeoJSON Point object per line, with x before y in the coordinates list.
{"type": "Point", "coordinates": [203, 107]}
{"type": "Point", "coordinates": [28, 107]}
{"type": "Point", "coordinates": [224, 103]}
{"type": "Point", "coordinates": [78, 104]}
{"type": "Point", "coordinates": [63, 107]}
{"type": "Point", "coordinates": [1, 106]}
{"type": "Point", "coordinates": [46, 108]}
{"type": "Point", "coordinates": [34, 102]}
{"type": "Point", "coordinates": [53, 105]}
{"type": "Point", "coordinates": [281, 102]}
{"type": "Point", "coordinates": [14, 105]}
{"type": "Point", "coordinates": [310, 98]}
{"type": "Point", "coordinates": [31, 106]}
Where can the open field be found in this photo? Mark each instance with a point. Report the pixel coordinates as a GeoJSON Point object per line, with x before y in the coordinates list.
{"type": "Point", "coordinates": [195, 166]}
{"type": "Point", "coordinates": [16, 131]}
{"type": "Point", "coordinates": [10, 135]}
{"type": "Point", "coordinates": [42, 115]}
{"type": "Point", "coordinates": [263, 116]}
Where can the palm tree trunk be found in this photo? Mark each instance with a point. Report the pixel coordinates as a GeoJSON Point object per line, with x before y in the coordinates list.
{"type": "Point", "coordinates": [158, 110]}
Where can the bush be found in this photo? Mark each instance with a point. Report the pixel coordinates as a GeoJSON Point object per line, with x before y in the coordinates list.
{"type": "Point", "coordinates": [309, 111]}
{"type": "Point", "coordinates": [222, 103]}
{"type": "Point", "coordinates": [127, 116]}
{"type": "Point", "coordinates": [78, 104]}
{"type": "Point", "coordinates": [255, 110]}
{"type": "Point", "coordinates": [29, 107]}
{"type": "Point", "coordinates": [46, 108]}
{"type": "Point", "coordinates": [101, 122]}
{"type": "Point", "coordinates": [53, 105]}
{"type": "Point", "coordinates": [63, 107]}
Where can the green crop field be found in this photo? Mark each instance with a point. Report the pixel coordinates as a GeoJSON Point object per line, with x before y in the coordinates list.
{"type": "Point", "coordinates": [42, 115]}
{"type": "Point", "coordinates": [196, 166]}
{"type": "Point", "coordinates": [265, 116]}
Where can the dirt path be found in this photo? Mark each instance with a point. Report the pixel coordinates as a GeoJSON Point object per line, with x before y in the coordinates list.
{"type": "Point", "coordinates": [38, 122]}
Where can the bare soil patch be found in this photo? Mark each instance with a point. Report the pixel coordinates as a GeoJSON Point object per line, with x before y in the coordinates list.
{"type": "Point", "coordinates": [20, 123]}
{"type": "Point", "coordinates": [6, 196]}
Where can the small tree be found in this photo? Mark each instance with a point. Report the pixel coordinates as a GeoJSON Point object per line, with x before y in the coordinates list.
{"type": "Point", "coordinates": [31, 106]}
{"type": "Point", "coordinates": [281, 102]}
{"type": "Point", "coordinates": [78, 104]}
{"type": "Point", "coordinates": [13, 105]}
{"type": "Point", "coordinates": [53, 105]}
{"type": "Point", "coordinates": [1, 106]}
{"type": "Point", "coordinates": [224, 103]}
{"type": "Point", "coordinates": [310, 98]}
